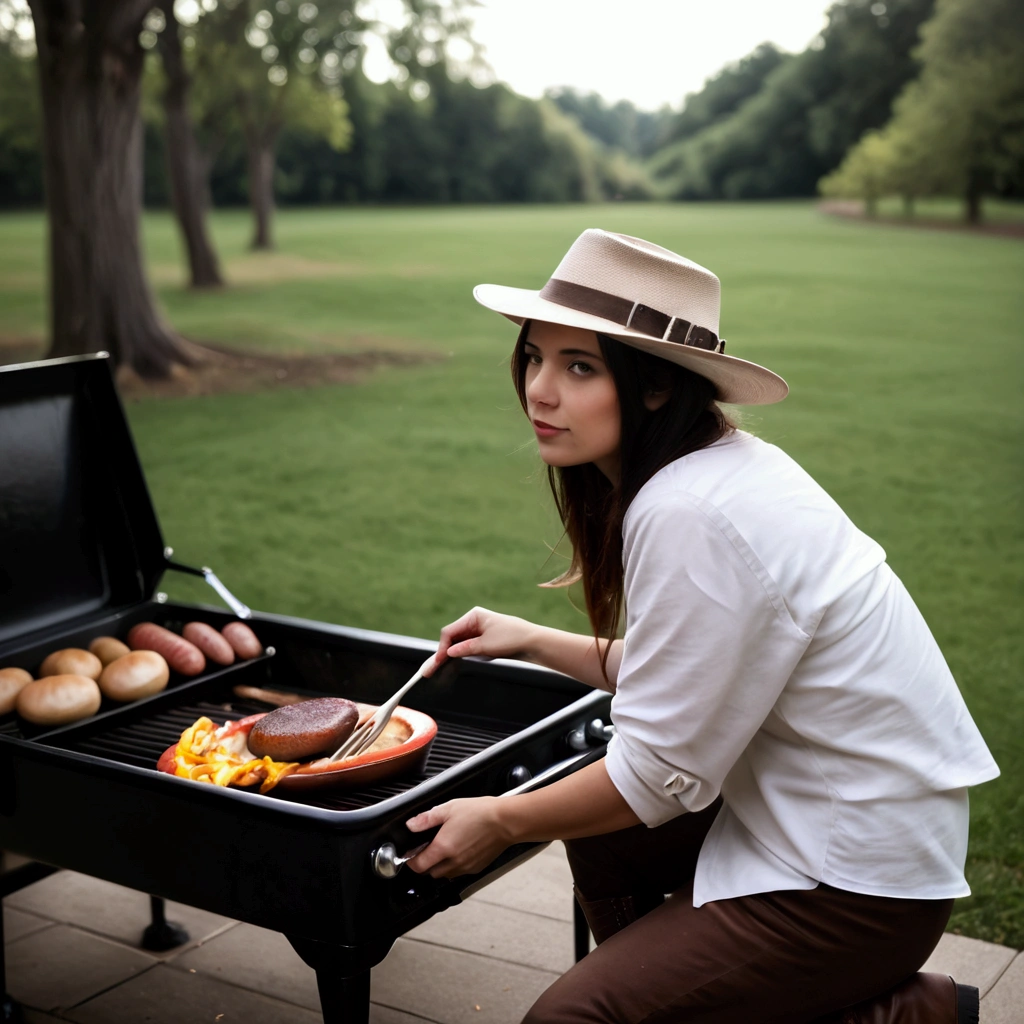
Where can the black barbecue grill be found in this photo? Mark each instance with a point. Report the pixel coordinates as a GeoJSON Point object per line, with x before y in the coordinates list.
{"type": "Point", "coordinates": [81, 555]}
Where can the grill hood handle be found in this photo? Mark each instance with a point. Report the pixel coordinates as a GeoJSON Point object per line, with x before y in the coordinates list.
{"type": "Point", "coordinates": [243, 611]}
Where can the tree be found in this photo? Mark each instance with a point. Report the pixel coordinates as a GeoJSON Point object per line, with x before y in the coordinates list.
{"type": "Point", "coordinates": [959, 127]}
{"type": "Point", "coordinates": [259, 70]}
{"type": "Point", "coordinates": [866, 173]}
{"type": "Point", "coordinates": [188, 168]}
{"type": "Point", "coordinates": [725, 92]}
{"type": "Point", "coordinates": [90, 65]}
{"type": "Point", "coordinates": [619, 126]}
{"type": "Point", "coordinates": [773, 124]}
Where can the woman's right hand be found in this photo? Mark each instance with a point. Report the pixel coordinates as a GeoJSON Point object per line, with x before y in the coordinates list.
{"type": "Point", "coordinates": [484, 633]}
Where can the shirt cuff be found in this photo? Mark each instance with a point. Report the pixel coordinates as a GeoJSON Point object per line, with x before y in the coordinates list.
{"type": "Point", "coordinates": [653, 805]}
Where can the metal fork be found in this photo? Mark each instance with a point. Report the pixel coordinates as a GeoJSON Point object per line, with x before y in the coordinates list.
{"type": "Point", "coordinates": [366, 732]}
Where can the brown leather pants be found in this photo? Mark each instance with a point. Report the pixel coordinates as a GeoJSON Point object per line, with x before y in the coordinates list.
{"type": "Point", "coordinates": [822, 955]}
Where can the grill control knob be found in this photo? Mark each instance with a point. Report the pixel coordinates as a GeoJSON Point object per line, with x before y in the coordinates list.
{"type": "Point", "coordinates": [519, 774]}
{"type": "Point", "coordinates": [590, 735]}
{"type": "Point", "coordinates": [386, 862]}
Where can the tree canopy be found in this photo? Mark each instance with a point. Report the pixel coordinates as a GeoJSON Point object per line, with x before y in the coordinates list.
{"type": "Point", "coordinates": [959, 127]}
{"type": "Point", "coordinates": [772, 124]}
{"type": "Point", "coordinates": [282, 107]}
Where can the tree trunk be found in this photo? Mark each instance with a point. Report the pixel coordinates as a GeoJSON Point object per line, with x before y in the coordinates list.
{"type": "Point", "coordinates": [186, 166]}
{"type": "Point", "coordinates": [908, 206]}
{"type": "Point", "coordinates": [972, 198]}
{"type": "Point", "coordinates": [90, 66]}
{"type": "Point", "coordinates": [262, 161]}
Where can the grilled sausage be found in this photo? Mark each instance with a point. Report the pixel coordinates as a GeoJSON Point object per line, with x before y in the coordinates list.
{"type": "Point", "coordinates": [243, 640]}
{"type": "Point", "coordinates": [210, 642]}
{"type": "Point", "coordinates": [12, 682]}
{"type": "Point", "coordinates": [137, 674]}
{"type": "Point", "coordinates": [182, 656]}
{"type": "Point", "coordinates": [71, 661]}
{"type": "Point", "coordinates": [59, 699]}
{"type": "Point", "coordinates": [107, 649]}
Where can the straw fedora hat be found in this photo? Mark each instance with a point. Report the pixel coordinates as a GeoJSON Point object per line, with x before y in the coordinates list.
{"type": "Point", "coordinates": [646, 296]}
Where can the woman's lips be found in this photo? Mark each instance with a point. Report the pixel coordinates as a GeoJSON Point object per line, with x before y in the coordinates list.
{"type": "Point", "coordinates": [542, 429]}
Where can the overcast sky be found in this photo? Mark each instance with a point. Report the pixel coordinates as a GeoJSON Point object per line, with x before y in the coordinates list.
{"type": "Point", "coordinates": [649, 51]}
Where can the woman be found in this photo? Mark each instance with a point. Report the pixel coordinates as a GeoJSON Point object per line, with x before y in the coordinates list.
{"type": "Point", "coordinates": [791, 753]}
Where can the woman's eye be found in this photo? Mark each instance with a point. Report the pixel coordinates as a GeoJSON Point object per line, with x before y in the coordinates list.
{"type": "Point", "coordinates": [580, 367]}
{"type": "Point", "coordinates": [533, 359]}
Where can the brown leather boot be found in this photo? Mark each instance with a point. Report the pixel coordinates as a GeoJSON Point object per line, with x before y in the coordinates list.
{"type": "Point", "coordinates": [921, 999]}
{"type": "Point", "coordinates": [608, 916]}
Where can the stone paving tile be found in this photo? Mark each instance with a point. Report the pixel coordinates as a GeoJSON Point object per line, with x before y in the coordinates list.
{"type": "Point", "coordinates": [38, 1017]}
{"type": "Point", "coordinates": [543, 885]}
{"type": "Point", "coordinates": [107, 909]}
{"type": "Point", "coordinates": [258, 959]}
{"type": "Point", "coordinates": [498, 931]}
{"type": "Point", "coordinates": [969, 961]}
{"type": "Point", "coordinates": [166, 995]}
{"type": "Point", "coordinates": [385, 1015]}
{"type": "Point", "coordinates": [447, 985]}
{"type": "Point", "coordinates": [17, 924]}
{"type": "Point", "coordinates": [61, 966]}
{"type": "Point", "coordinates": [1004, 1003]}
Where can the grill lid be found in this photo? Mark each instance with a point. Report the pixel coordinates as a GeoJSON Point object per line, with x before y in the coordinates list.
{"type": "Point", "coordinates": [78, 532]}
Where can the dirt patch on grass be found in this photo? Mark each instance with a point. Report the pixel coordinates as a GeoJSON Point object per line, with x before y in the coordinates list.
{"type": "Point", "coordinates": [852, 209]}
{"type": "Point", "coordinates": [219, 371]}
{"type": "Point", "coordinates": [216, 370]}
{"type": "Point", "coordinates": [275, 267]}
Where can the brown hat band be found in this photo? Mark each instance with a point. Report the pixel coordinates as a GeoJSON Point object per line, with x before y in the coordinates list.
{"type": "Point", "coordinates": [633, 315]}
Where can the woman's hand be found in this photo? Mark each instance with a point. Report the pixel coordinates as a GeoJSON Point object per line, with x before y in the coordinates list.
{"type": "Point", "coordinates": [471, 836]}
{"type": "Point", "coordinates": [486, 633]}
{"type": "Point", "coordinates": [493, 635]}
{"type": "Point", "coordinates": [473, 832]}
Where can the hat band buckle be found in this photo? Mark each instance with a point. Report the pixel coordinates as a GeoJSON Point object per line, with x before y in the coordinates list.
{"type": "Point", "coordinates": [634, 316]}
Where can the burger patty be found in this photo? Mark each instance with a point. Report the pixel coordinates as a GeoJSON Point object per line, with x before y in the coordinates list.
{"type": "Point", "coordinates": [299, 732]}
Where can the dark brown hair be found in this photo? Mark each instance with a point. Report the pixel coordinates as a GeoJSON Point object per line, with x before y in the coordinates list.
{"type": "Point", "coordinates": [590, 506]}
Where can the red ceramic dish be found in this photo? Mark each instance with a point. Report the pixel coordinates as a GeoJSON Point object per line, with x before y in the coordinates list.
{"type": "Point", "coordinates": [411, 733]}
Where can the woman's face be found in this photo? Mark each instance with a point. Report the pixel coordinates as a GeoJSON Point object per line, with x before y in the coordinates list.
{"type": "Point", "coordinates": [571, 398]}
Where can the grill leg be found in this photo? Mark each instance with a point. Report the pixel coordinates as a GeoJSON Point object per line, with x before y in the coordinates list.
{"type": "Point", "coordinates": [580, 931]}
{"type": "Point", "coordinates": [342, 976]}
{"type": "Point", "coordinates": [344, 1000]}
{"type": "Point", "coordinates": [161, 934]}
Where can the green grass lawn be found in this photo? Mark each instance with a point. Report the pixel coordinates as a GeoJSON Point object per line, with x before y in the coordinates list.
{"type": "Point", "coordinates": [400, 502]}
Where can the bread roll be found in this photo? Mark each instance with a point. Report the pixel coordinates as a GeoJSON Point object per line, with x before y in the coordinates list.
{"type": "Point", "coordinates": [56, 700]}
{"type": "Point", "coordinates": [71, 661]}
{"type": "Point", "coordinates": [12, 682]}
{"type": "Point", "coordinates": [243, 640]}
{"type": "Point", "coordinates": [137, 674]}
{"type": "Point", "coordinates": [301, 731]}
{"type": "Point", "coordinates": [107, 649]}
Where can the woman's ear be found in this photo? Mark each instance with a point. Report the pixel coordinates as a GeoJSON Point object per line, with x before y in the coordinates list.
{"type": "Point", "coordinates": [654, 400]}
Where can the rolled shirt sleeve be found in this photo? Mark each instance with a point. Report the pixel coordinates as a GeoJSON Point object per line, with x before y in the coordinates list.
{"type": "Point", "coordinates": [709, 646]}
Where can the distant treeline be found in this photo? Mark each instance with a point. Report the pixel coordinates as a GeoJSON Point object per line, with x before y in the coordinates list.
{"type": "Point", "coordinates": [770, 125]}
{"type": "Point", "coordinates": [460, 144]}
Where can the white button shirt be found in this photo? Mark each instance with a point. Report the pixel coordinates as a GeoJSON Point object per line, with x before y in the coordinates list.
{"type": "Point", "coordinates": [772, 656]}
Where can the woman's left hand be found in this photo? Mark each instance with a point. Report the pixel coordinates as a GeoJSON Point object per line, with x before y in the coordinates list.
{"type": "Point", "coordinates": [471, 836]}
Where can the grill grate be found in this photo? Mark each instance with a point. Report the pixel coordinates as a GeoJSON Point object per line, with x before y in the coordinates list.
{"type": "Point", "coordinates": [141, 744]}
